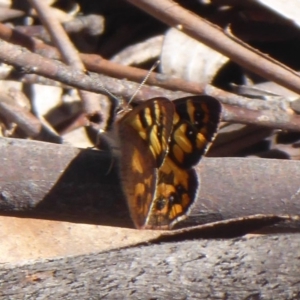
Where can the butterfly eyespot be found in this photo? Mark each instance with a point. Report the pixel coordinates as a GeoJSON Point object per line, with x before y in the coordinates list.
{"type": "Point", "coordinates": [179, 188]}
{"type": "Point", "coordinates": [172, 198]}
{"type": "Point", "coordinates": [161, 203]}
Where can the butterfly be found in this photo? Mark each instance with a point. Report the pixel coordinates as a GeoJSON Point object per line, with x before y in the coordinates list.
{"type": "Point", "coordinates": [159, 142]}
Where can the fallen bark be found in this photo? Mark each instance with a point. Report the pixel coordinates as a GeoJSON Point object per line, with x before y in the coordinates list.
{"type": "Point", "coordinates": [256, 267]}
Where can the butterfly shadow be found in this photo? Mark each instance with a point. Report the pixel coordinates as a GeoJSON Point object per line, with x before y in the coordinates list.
{"type": "Point", "coordinates": [87, 190]}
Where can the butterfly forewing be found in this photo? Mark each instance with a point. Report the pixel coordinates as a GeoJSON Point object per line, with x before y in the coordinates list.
{"type": "Point", "coordinates": [195, 123]}
{"type": "Point", "coordinates": [144, 135]}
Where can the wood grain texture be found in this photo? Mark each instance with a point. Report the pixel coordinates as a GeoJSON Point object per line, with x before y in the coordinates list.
{"type": "Point", "coordinates": [61, 182]}
{"type": "Point", "coordinates": [257, 267]}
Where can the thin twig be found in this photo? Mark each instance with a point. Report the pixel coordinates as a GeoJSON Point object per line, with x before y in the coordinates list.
{"type": "Point", "coordinates": [63, 43]}
{"type": "Point", "coordinates": [174, 15]}
{"type": "Point", "coordinates": [34, 63]}
{"type": "Point", "coordinates": [26, 121]}
{"type": "Point", "coordinates": [19, 115]}
{"type": "Point", "coordinates": [96, 63]}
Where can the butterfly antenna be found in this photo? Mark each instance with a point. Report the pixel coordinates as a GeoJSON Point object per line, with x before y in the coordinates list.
{"type": "Point", "coordinates": [121, 101]}
{"type": "Point", "coordinates": [110, 94]}
{"type": "Point", "coordinates": [144, 80]}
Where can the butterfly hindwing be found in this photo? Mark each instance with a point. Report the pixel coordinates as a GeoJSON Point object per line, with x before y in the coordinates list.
{"type": "Point", "coordinates": [144, 134]}
{"type": "Point", "coordinates": [174, 195]}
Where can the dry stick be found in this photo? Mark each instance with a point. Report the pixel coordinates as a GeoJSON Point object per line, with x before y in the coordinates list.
{"type": "Point", "coordinates": [89, 24]}
{"type": "Point", "coordinates": [174, 15]}
{"type": "Point", "coordinates": [240, 137]}
{"type": "Point", "coordinates": [58, 35]}
{"type": "Point", "coordinates": [63, 43]}
{"type": "Point", "coordinates": [53, 69]}
{"type": "Point", "coordinates": [97, 64]}
{"type": "Point", "coordinates": [268, 182]}
{"type": "Point", "coordinates": [27, 122]}
{"type": "Point", "coordinates": [7, 14]}
{"type": "Point", "coordinates": [34, 63]}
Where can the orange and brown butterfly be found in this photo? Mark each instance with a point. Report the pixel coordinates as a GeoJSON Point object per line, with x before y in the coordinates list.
{"type": "Point", "coordinates": [159, 142]}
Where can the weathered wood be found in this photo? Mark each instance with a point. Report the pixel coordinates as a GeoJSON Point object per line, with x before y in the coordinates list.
{"type": "Point", "coordinates": [65, 183]}
{"type": "Point", "coordinates": [59, 182]}
{"type": "Point", "coordinates": [252, 267]}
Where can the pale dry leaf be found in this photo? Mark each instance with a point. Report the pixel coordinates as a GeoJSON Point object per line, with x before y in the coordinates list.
{"type": "Point", "coordinates": [288, 9]}
{"type": "Point", "coordinates": [25, 239]}
{"type": "Point", "coordinates": [189, 59]}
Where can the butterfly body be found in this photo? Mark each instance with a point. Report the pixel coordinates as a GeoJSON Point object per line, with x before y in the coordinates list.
{"type": "Point", "coordinates": [159, 142]}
